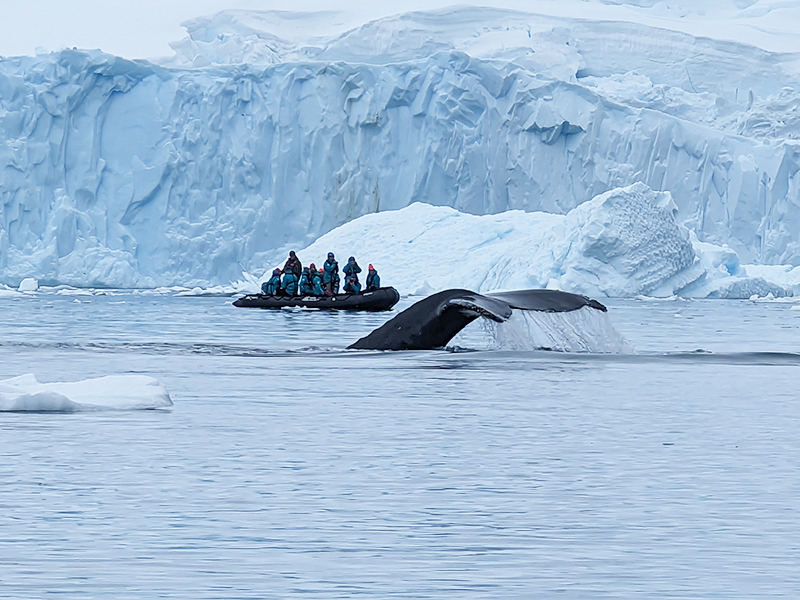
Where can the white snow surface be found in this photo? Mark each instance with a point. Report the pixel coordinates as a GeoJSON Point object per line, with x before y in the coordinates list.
{"type": "Point", "coordinates": [112, 392]}
{"type": "Point", "coordinates": [268, 130]}
{"type": "Point", "coordinates": [624, 243]}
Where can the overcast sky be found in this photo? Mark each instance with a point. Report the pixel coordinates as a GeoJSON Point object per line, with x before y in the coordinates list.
{"type": "Point", "coordinates": [131, 28]}
{"type": "Point", "coordinates": [144, 28]}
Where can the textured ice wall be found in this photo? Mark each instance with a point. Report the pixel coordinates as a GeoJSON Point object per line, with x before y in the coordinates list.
{"type": "Point", "coordinates": [124, 173]}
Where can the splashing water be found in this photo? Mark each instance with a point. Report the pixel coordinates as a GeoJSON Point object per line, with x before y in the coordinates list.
{"type": "Point", "coordinates": [583, 330]}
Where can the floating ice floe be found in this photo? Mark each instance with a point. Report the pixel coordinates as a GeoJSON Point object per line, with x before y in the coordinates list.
{"type": "Point", "coordinates": [113, 392]}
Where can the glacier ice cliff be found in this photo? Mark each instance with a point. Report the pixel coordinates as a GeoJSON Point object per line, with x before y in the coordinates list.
{"type": "Point", "coordinates": [117, 173]}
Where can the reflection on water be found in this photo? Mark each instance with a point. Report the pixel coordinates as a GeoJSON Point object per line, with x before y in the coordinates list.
{"type": "Point", "coordinates": [290, 467]}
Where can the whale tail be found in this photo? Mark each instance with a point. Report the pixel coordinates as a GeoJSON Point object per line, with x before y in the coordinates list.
{"type": "Point", "coordinates": [435, 320]}
{"type": "Point", "coordinates": [546, 300]}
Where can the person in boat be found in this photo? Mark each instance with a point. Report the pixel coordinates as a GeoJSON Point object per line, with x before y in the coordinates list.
{"type": "Point", "coordinates": [289, 286]}
{"type": "Point", "coordinates": [305, 282]}
{"type": "Point", "coordinates": [293, 265]}
{"type": "Point", "coordinates": [273, 286]}
{"type": "Point", "coordinates": [351, 285]}
{"type": "Point", "coordinates": [373, 279]}
{"type": "Point", "coordinates": [351, 269]}
{"type": "Point", "coordinates": [315, 278]}
{"type": "Point", "coordinates": [330, 275]}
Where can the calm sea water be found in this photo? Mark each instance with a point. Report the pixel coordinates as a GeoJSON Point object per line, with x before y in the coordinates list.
{"type": "Point", "coordinates": [289, 468]}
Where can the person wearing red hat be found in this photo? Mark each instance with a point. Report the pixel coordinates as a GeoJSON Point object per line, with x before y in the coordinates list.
{"type": "Point", "coordinates": [316, 280]}
{"type": "Point", "coordinates": [373, 280]}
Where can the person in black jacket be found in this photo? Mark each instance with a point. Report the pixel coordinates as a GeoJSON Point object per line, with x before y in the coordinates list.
{"type": "Point", "coordinates": [293, 265]}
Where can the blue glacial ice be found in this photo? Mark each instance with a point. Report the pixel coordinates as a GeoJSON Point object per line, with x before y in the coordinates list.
{"type": "Point", "coordinates": [119, 173]}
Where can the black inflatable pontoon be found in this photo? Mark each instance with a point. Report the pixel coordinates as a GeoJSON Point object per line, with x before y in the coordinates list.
{"type": "Point", "coordinates": [381, 299]}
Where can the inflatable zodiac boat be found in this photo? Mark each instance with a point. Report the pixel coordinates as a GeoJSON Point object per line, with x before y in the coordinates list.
{"type": "Point", "coordinates": [381, 299]}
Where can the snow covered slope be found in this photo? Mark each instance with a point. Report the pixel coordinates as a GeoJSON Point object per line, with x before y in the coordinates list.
{"type": "Point", "coordinates": [130, 174]}
{"type": "Point", "coordinates": [623, 243]}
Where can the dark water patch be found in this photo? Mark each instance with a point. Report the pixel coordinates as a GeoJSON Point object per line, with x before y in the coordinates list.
{"type": "Point", "coordinates": [543, 359]}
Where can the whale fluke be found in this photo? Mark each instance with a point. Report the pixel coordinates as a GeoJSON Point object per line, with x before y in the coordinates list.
{"type": "Point", "coordinates": [435, 320]}
{"type": "Point", "coordinates": [546, 300]}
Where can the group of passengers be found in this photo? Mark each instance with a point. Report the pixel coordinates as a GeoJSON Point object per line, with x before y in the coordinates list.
{"type": "Point", "coordinates": [296, 280]}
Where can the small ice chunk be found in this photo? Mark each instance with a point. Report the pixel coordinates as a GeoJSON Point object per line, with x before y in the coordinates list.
{"type": "Point", "coordinates": [29, 284]}
{"type": "Point", "coordinates": [112, 392]}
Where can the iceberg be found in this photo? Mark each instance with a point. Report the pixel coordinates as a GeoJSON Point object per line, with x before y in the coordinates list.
{"type": "Point", "coordinates": [112, 392]}
{"type": "Point", "coordinates": [627, 242]}
{"type": "Point", "coordinates": [258, 137]}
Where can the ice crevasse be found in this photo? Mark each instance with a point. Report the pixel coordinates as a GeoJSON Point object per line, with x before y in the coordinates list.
{"type": "Point", "coordinates": [120, 173]}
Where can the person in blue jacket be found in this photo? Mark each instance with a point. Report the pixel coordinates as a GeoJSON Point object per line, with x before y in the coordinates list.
{"type": "Point", "coordinates": [351, 269]}
{"type": "Point", "coordinates": [273, 286]}
{"type": "Point", "coordinates": [305, 282]}
{"type": "Point", "coordinates": [351, 285]}
{"type": "Point", "coordinates": [316, 280]}
{"type": "Point", "coordinates": [330, 275]}
{"type": "Point", "coordinates": [373, 279]}
{"type": "Point", "coordinates": [289, 284]}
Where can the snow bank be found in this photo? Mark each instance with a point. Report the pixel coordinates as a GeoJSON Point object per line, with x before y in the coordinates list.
{"type": "Point", "coordinates": [626, 242]}
{"type": "Point", "coordinates": [113, 392]}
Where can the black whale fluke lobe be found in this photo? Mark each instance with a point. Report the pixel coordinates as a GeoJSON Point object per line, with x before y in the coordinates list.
{"type": "Point", "coordinates": [546, 300]}
{"type": "Point", "coordinates": [435, 320]}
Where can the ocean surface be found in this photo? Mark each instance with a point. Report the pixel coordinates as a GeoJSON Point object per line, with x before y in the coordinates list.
{"type": "Point", "coordinates": [291, 468]}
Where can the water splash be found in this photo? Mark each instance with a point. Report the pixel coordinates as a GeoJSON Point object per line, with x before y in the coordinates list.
{"type": "Point", "coordinates": [583, 330]}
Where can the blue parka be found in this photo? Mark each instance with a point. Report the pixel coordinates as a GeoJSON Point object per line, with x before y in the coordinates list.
{"type": "Point", "coordinates": [305, 283]}
{"type": "Point", "coordinates": [352, 286]}
{"type": "Point", "coordinates": [351, 268]}
{"type": "Point", "coordinates": [290, 284]}
{"type": "Point", "coordinates": [271, 287]}
{"type": "Point", "coordinates": [330, 275]}
{"type": "Point", "coordinates": [316, 283]}
{"type": "Point", "coordinates": [373, 280]}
